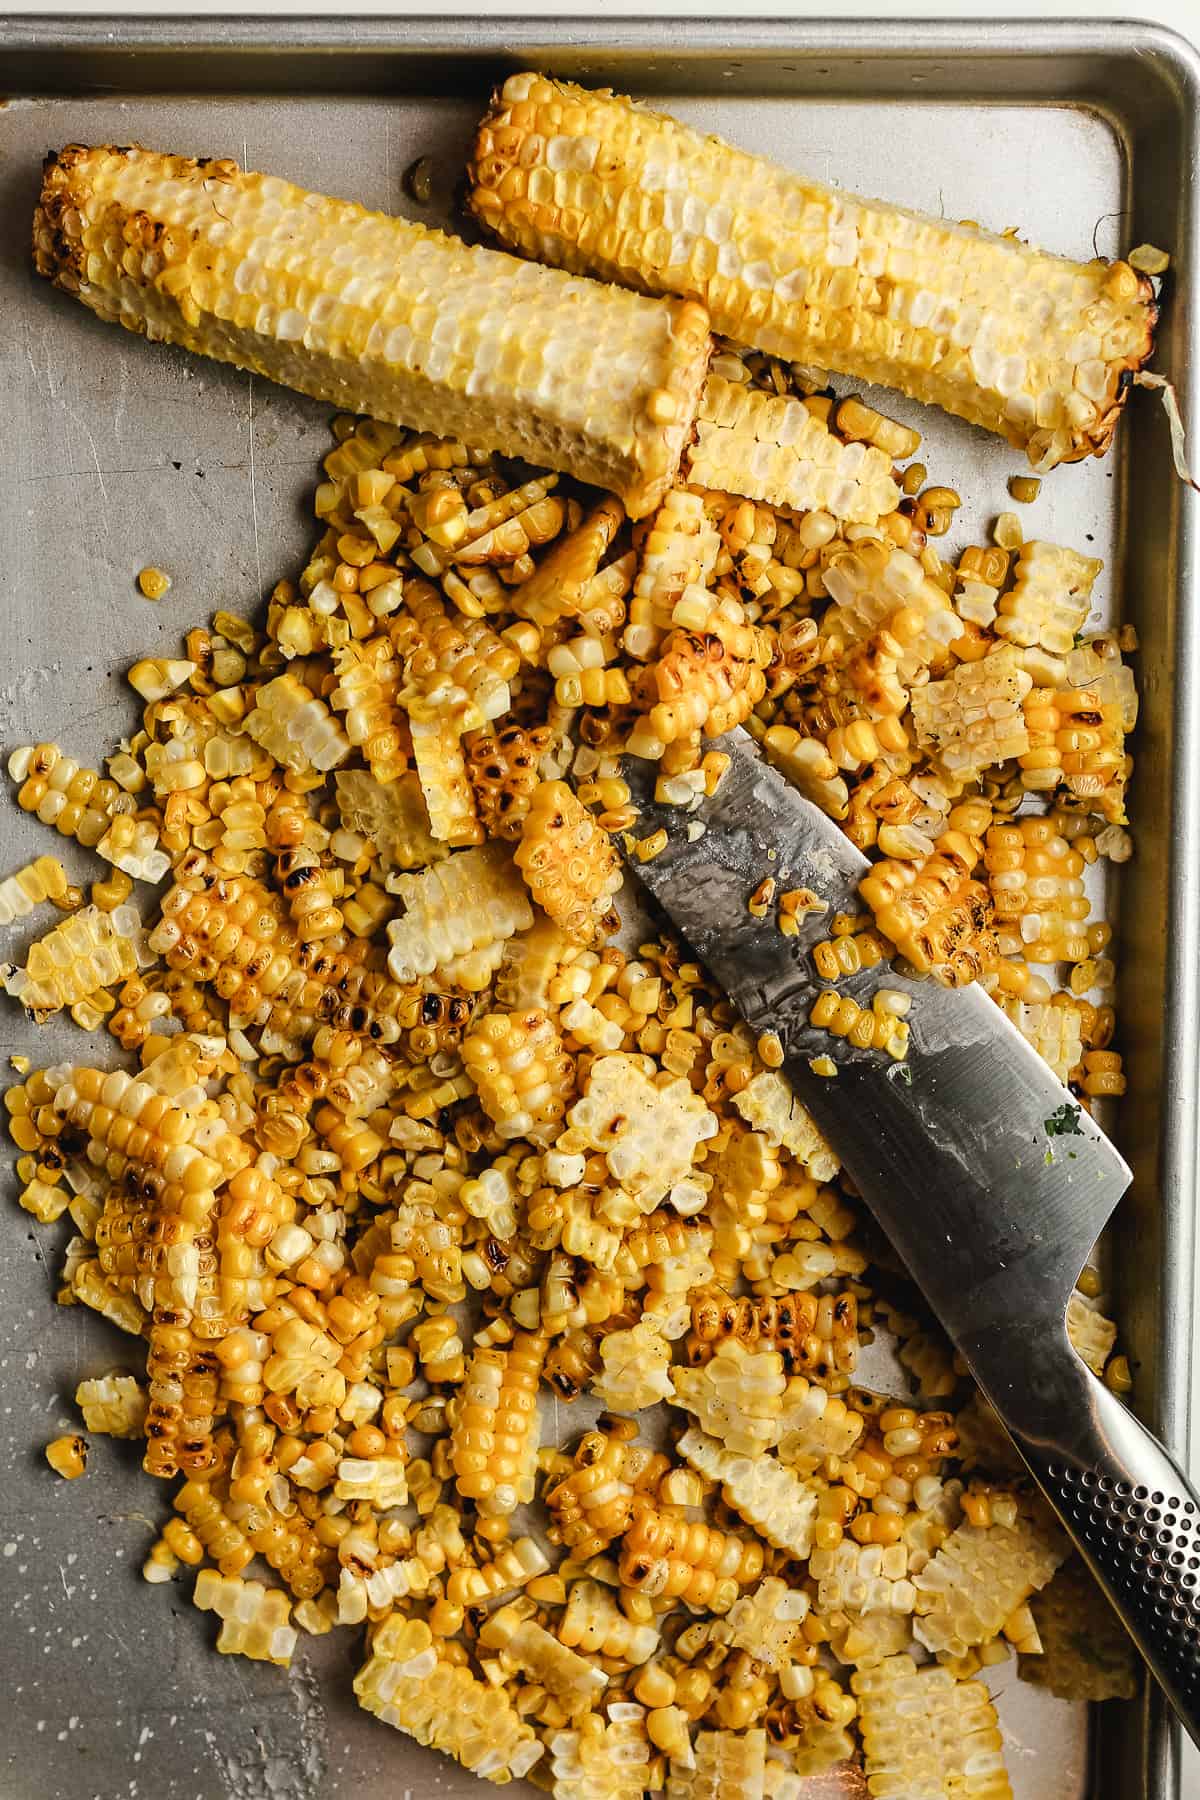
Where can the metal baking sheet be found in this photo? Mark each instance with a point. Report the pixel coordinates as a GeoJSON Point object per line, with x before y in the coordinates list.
{"type": "Point", "coordinates": [115, 454]}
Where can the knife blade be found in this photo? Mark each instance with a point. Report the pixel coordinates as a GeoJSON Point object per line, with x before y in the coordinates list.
{"type": "Point", "coordinates": [990, 1182]}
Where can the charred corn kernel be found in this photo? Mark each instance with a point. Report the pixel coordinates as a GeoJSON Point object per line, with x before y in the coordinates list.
{"type": "Point", "coordinates": [153, 582]}
{"type": "Point", "coordinates": [568, 864]}
{"type": "Point", "coordinates": [68, 1456]}
{"type": "Point", "coordinates": [111, 892]}
{"type": "Point", "coordinates": [787, 264]}
{"type": "Point", "coordinates": [618, 437]}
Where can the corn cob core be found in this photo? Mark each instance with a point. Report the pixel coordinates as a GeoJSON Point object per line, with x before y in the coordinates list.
{"type": "Point", "coordinates": [374, 314]}
{"type": "Point", "coordinates": [1029, 345]}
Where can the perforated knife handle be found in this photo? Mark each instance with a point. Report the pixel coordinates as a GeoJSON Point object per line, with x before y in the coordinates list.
{"type": "Point", "coordinates": [1136, 1519]}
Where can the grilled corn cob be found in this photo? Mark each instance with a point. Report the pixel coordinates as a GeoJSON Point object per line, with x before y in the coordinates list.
{"type": "Point", "coordinates": [422, 330]}
{"type": "Point", "coordinates": [1026, 344]}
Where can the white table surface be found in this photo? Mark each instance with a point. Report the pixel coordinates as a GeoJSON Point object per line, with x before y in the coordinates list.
{"type": "Point", "coordinates": [1181, 15]}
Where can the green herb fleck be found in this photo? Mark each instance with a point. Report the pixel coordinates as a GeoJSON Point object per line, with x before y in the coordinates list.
{"type": "Point", "coordinates": [1064, 1122]}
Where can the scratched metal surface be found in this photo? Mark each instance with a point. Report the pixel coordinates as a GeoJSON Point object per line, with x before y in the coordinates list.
{"type": "Point", "coordinates": [116, 454]}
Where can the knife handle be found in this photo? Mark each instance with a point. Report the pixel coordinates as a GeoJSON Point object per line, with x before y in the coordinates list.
{"type": "Point", "coordinates": [1136, 1519]}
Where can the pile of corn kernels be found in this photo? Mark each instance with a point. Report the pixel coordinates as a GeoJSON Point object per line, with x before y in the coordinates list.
{"type": "Point", "coordinates": [404, 1144]}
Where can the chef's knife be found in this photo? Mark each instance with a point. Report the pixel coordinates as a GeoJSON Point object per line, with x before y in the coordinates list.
{"type": "Point", "coordinates": [990, 1182]}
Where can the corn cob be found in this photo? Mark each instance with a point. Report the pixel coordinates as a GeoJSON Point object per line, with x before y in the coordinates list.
{"type": "Point", "coordinates": [649, 1132]}
{"type": "Point", "coordinates": [1049, 601]}
{"type": "Point", "coordinates": [458, 917]}
{"type": "Point", "coordinates": [394, 817]}
{"type": "Point", "coordinates": [411, 1686]}
{"type": "Point", "coordinates": [43, 879]}
{"type": "Point", "coordinates": [1026, 344]}
{"type": "Point", "coordinates": [665, 1556]}
{"type": "Point", "coordinates": [728, 1766]}
{"type": "Point", "coordinates": [568, 863]}
{"type": "Point", "coordinates": [112, 1404]}
{"type": "Point", "coordinates": [525, 1645]}
{"type": "Point", "coordinates": [254, 1618]}
{"type": "Point", "coordinates": [973, 719]}
{"type": "Point", "coordinates": [777, 449]}
{"type": "Point", "coordinates": [605, 386]}
{"type": "Point", "coordinates": [925, 1733]}
{"type": "Point", "coordinates": [1037, 882]}
{"type": "Point", "coordinates": [978, 1578]}
{"type": "Point", "coordinates": [78, 802]}
{"type": "Point", "coordinates": [936, 915]}
{"type": "Point", "coordinates": [493, 1447]}
{"type": "Point", "coordinates": [772, 1499]}
{"type": "Point", "coordinates": [1086, 1653]}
